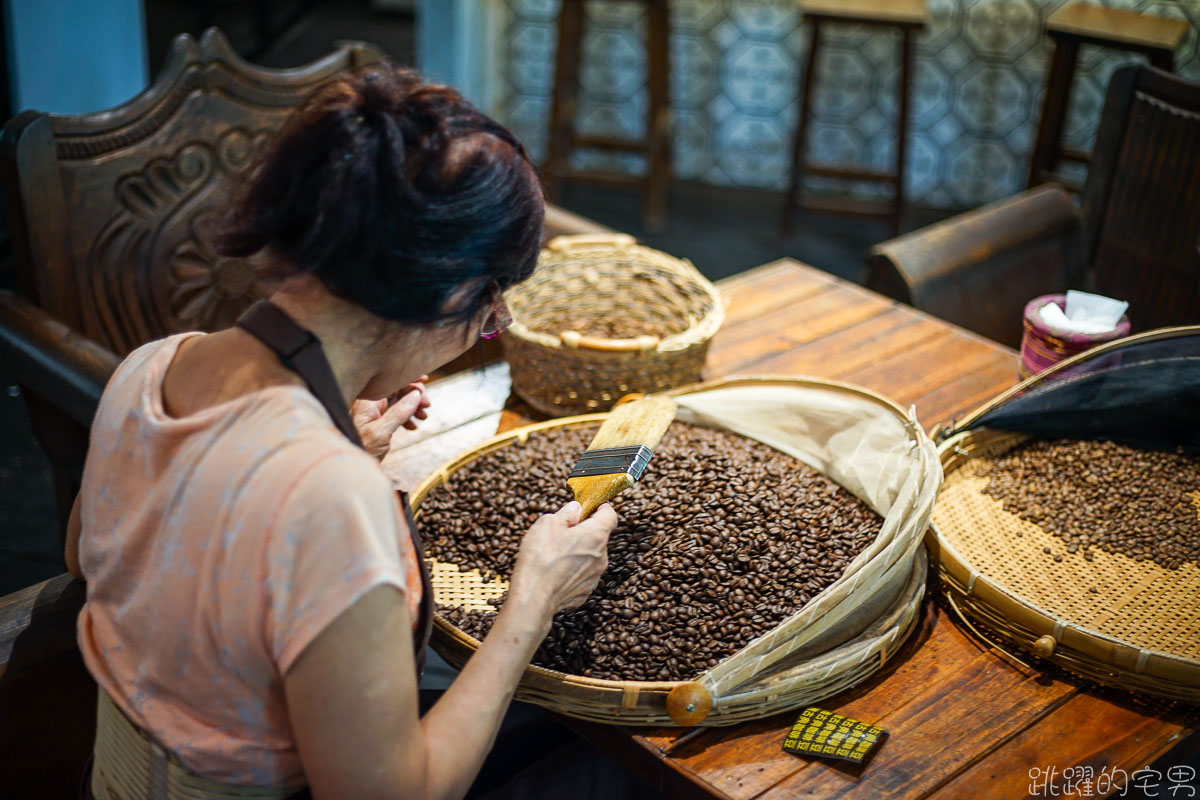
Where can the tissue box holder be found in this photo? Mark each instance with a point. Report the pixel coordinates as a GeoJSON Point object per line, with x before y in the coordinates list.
{"type": "Point", "coordinates": [1043, 346]}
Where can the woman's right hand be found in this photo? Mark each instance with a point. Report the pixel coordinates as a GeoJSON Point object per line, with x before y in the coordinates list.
{"type": "Point", "coordinates": [560, 559]}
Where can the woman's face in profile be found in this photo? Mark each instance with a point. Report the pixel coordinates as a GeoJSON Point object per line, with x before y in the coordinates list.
{"type": "Point", "coordinates": [408, 352]}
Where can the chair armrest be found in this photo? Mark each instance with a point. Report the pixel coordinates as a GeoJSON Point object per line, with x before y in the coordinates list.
{"type": "Point", "coordinates": [55, 362]}
{"type": "Point", "coordinates": [978, 269]}
{"type": "Point", "coordinates": [37, 624]}
{"type": "Point", "coordinates": [47, 696]}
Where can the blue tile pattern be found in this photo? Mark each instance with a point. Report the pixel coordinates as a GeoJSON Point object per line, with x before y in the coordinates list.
{"type": "Point", "coordinates": [736, 65]}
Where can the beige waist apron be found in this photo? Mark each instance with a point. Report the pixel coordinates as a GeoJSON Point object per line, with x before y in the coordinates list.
{"type": "Point", "coordinates": [129, 765]}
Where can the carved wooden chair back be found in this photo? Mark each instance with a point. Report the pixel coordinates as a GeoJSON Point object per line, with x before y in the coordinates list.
{"type": "Point", "coordinates": [1141, 204]}
{"type": "Point", "coordinates": [109, 209]}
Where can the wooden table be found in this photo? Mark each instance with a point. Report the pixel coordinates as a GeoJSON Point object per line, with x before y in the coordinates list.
{"type": "Point", "coordinates": [964, 722]}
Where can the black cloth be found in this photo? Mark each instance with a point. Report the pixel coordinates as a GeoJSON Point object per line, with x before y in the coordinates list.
{"type": "Point", "coordinates": [1143, 393]}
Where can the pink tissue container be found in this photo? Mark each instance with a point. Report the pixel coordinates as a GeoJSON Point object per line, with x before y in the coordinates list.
{"type": "Point", "coordinates": [1043, 346]}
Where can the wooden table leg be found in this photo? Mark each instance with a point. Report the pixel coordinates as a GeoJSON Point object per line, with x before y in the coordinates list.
{"type": "Point", "coordinates": [1164, 61]}
{"type": "Point", "coordinates": [800, 144]}
{"type": "Point", "coordinates": [566, 90]}
{"type": "Point", "coordinates": [1054, 110]}
{"type": "Point", "coordinates": [658, 120]}
{"type": "Point", "coordinates": [905, 81]}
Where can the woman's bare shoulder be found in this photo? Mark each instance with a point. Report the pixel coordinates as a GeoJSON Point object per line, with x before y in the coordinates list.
{"type": "Point", "coordinates": [218, 368]}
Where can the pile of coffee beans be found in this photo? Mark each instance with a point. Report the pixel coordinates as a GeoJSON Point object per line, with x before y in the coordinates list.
{"type": "Point", "coordinates": [721, 540]}
{"type": "Point", "coordinates": [615, 327]}
{"type": "Point", "coordinates": [1103, 495]}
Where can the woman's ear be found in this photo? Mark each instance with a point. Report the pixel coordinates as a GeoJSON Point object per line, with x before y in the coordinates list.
{"type": "Point", "coordinates": [462, 298]}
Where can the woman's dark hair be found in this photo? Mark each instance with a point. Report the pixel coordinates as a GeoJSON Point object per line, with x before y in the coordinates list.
{"type": "Point", "coordinates": [395, 194]}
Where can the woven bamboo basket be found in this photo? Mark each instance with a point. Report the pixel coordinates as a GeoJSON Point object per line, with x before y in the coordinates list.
{"type": "Point", "coordinates": [836, 640]}
{"type": "Point", "coordinates": [1140, 629]}
{"type": "Point", "coordinates": [559, 370]}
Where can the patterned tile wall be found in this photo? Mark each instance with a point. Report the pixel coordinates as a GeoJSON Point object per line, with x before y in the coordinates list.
{"type": "Point", "coordinates": [979, 76]}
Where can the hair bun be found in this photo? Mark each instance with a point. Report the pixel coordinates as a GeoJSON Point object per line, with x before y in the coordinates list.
{"type": "Point", "coordinates": [395, 193]}
{"type": "Point", "coordinates": [386, 89]}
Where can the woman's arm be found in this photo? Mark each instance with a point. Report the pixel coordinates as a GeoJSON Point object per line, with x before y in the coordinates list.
{"type": "Point", "coordinates": [352, 695]}
{"type": "Point", "coordinates": [71, 550]}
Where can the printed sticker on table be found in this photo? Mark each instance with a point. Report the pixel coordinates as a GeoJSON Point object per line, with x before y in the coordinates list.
{"type": "Point", "coordinates": [818, 732]}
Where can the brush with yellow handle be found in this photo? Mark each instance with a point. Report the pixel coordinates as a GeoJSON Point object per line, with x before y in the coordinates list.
{"type": "Point", "coordinates": [619, 452]}
{"type": "Point", "coordinates": [613, 462]}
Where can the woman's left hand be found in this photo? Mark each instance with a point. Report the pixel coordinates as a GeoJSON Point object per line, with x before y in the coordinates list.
{"type": "Point", "coordinates": [377, 420]}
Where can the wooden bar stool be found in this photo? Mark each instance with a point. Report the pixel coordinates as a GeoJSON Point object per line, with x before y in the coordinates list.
{"type": "Point", "coordinates": [905, 16]}
{"type": "Point", "coordinates": [655, 145]}
{"type": "Point", "coordinates": [1082, 23]}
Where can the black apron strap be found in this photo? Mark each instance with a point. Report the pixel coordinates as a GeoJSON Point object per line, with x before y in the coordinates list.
{"type": "Point", "coordinates": [425, 622]}
{"type": "Point", "coordinates": [300, 351]}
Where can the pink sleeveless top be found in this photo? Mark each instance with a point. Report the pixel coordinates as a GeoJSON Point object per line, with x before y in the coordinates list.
{"type": "Point", "coordinates": [216, 547]}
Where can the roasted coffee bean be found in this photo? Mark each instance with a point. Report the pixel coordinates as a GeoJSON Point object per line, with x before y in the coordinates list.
{"type": "Point", "coordinates": [1139, 503]}
{"type": "Point", "coordinates": [722, 540]}
{"type": "Point", "coordinates": [614, 327]}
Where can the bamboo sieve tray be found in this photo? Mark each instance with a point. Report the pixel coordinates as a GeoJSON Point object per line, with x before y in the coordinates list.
{"type": "Point", "coordinates": [1140, 629]}
{"type": "Point", "coordinates": [772, 673]}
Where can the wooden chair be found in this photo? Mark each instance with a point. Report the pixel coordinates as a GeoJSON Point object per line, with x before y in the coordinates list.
{"type": "Point", "coordinates": [907, 18]}
{"type": "Point", "coordinates": [107, 212]}
{"type": "Point", "coordinates": [654, 145]}
{"type": "Point", "coordinates": [1136, 238]}
{"type": "Point", "coordinates": [1077, 24]}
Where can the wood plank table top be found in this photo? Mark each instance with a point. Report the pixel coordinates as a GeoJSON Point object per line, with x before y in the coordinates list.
{"type": "Point", "coordinates": [964, 722]}
{"type": "Point", "coordinates": [913, 13]}
{"type": "Point", "coordinates": [1098, 24]}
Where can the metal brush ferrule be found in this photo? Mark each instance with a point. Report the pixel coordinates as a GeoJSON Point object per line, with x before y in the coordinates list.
{"type": "Point", "coordinates": [612, 461]}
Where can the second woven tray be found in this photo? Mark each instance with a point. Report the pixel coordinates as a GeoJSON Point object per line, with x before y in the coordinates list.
{"type": "Point", "coordinates": [1128, 624]}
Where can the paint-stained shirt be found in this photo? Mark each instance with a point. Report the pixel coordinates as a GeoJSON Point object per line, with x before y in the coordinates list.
{"type": "Point", "coordinates": [216, 547]}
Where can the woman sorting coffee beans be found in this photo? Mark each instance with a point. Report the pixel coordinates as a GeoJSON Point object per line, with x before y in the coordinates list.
{"type": "Point", "coordinates": [257, 605]}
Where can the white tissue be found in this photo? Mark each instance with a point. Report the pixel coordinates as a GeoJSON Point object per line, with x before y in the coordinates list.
{"type": "Point", "coordinates": [1085, 313]}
